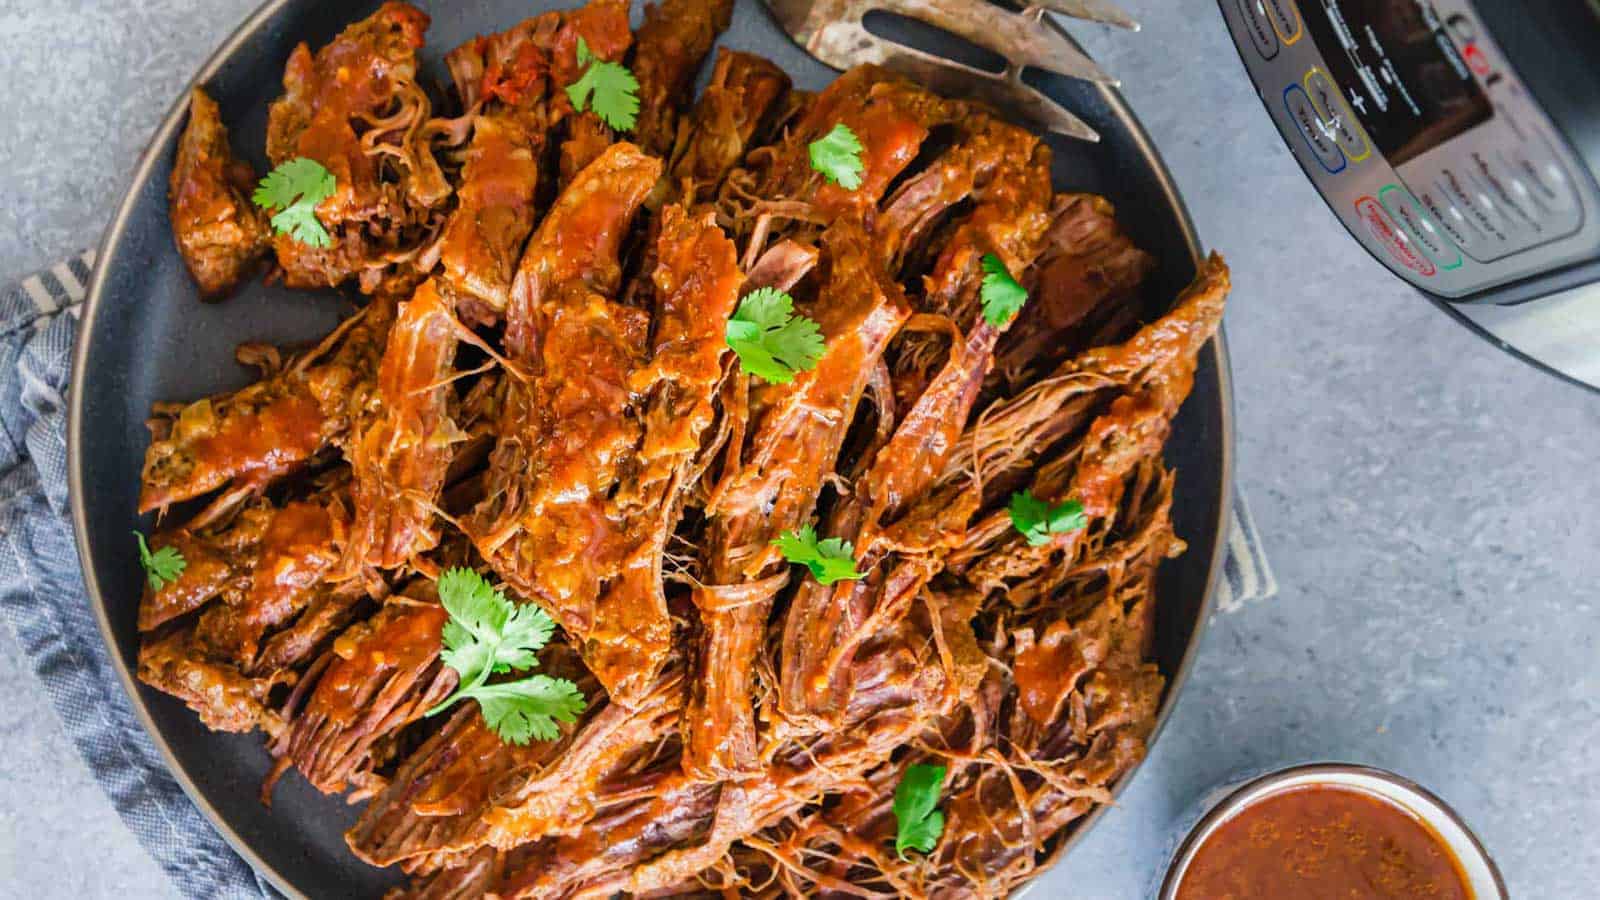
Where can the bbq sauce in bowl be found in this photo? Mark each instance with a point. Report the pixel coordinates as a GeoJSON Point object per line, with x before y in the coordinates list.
{"type": "Point", "coordinates": [1324, 841]}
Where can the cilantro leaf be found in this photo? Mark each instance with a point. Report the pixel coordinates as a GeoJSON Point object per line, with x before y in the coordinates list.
{"type": "Point", "coordinates": [291, 192]}
{"type": "Point", "coordinates": [1002, 296]}
{"type": "Point", "coordinates": [162, 567]}
{"type": "Point", "coordinates": [520, 711]}
{"type": "Point", "coordinates": [771, 341]}
{"type": "Point", "coordinates": [837, 155]}
{"type": "Point", "coordinates": [487, 634]}
{"type": "Point", "coordinates": [608, 88]}
{"type": "Point", "coordinates": [1037, 520]}
{"type": "Point", "coordinates": [829, 561]}
{"type": "Point", "coordinates": [916, 809]}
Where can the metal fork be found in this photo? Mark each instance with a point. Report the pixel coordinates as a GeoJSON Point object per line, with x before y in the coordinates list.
{"type": "Point", "coordinates": [832, 31]}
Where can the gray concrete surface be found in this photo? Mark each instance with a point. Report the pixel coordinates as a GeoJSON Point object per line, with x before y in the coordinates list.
{"type": "Point", "coordinates": [1429, 504]}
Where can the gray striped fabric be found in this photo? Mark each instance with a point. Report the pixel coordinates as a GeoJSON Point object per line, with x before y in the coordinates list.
{"type": "Point", "coordinates": [42, 593]}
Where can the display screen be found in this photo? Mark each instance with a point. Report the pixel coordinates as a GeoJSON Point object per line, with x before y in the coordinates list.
{"type": "Point", "coordinates": [1400, 70]}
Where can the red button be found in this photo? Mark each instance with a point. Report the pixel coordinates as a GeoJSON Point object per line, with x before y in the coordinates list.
{"type": "Point", "coordinates": [1387, 234]}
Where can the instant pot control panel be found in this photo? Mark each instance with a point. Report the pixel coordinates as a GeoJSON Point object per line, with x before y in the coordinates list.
{"type": "Point", "coordinates": [1421, 137]}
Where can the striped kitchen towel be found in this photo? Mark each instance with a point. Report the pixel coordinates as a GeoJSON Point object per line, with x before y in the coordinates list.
{"type": "Point", "coordinates": [42, 594]}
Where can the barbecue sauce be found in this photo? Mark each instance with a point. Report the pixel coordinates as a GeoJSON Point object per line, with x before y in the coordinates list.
{"type": "Point", "coordinates": [1321, 843]}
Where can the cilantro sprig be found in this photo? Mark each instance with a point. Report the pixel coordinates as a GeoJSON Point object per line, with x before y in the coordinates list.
{"type": "Point", "coordinates": [1002, 296]}
{"type": "Point", "coordinates": [608, 88]}
{"type": "Point", "coordinates": [161, 567]}
{"type": "Point", "coordinates": [916, 809]}
{"type": "Point", "coordinates": [488, 634]}
{"type": "Point", "coordinates": [291, 193]}
{"type": "Point", "coordinates": [771, 341]}
{"type": "Point", "coordinates": [1038, 520]}
{"type": "Point", "coordinates": [829, 561]}
{"type": "Point", "coordinates": [837, 155]}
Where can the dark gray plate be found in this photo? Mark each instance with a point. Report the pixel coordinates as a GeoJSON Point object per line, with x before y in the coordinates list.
{"type": "Point", "coordinates": [145, 338]}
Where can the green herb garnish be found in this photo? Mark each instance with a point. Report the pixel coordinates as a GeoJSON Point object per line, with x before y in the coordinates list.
{"type": "Point", "coordinates": [916, 809]}
{"type": "Point", "coordinates": [490, 635]}
{"type": "Point", "coordinates": [1002, 296]}
{"type": "Point", "coordinates": [771, 341]}
{"type": "Point", "coordinates": [837, 155]}
{"type": "Point", "coordinates": [1038, 520]}
{"type": "Point", "coordinates": [291, 193]}
{"type": "Point", "coordinates": [829, 561]}
{"type": "Point", "coordinates": [608, 88]}
{"type": "Point", "coordinates": [162, 567]}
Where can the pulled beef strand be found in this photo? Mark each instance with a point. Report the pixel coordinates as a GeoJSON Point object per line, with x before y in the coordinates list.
{"type": "Point", "coordinates": [401, 459]}
{"type": "Point", "coordinates": [770, 485]}
{"type": "Point", "coordinates": [548, 526]}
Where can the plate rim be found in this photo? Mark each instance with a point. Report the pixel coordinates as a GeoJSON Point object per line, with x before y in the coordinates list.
{"type": "Point", "coordinates": [95, 298]}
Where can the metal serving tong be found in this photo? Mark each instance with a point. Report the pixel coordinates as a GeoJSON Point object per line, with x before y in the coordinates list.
{"type": "Point", "coordinates": [832, 31]}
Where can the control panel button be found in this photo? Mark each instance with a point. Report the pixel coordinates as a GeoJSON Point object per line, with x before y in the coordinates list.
{"type": "Point", "coordinates": [1543, 175]}
{"type": "Point", "coordinates": [1253, 13]}
{"type": "Point", "coordinates": [1285, 18]}
{"type": "Point", "coordinates": [1391, 240]}
{"type": "Point", "coordinates": [1317, 135]}
{"type": "Point", "coordinates": [1337, 118]}
{"type": "Point", "coordinates": [1493, 180]}
{"type": "Point", "coordinates": [1420, 226]}
{"type": "Point", "coordinates": [1459, 192]}
{"type": "Point", "coordinates": [1451, 220]}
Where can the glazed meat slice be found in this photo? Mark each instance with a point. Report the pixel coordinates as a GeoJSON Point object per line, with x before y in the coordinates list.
{"type": "Point", "coordinates": [548, 526]}
{"type": "Point", "coordinates": [378, 677]}
{"type": "Point", "coordinates": [432, 813]}
{"type": "Point", "coordinates": [1087, 278]}
{"type": "Point", "coordinates": [602, 25]}
{"type": "Point", "coordinates": [779, 194]}
{"type": "Point", "coordinates": [674, 40]}
{"type": "Point", "coordinates": [221, 234]}
{"type": "Point", "coordinates": [295, 551]}
{"type": "Point", "coordinates": [1004, 171]}
{"type": "Point", "coordinates": [484, 237]}
{"type": "Point", "coordinates": [770, 484]}
{"type": "Point", "coordinates": [669, 809]}
{"type": "Point", "coordinates": [401, 458]}
{"type": "Point", "coordinates": [355, 107]}
{"type": "Point", "coordinates": [208, 570]}
{"type": "Point", "coordinates": [255, 435]}
{"type": "Point", "coordinates": [224, 698]}
{"type": "Point", "coordinates": [731, 116]}
{"type": "Point", "coordinates": [696, 284]}
{"type": "Point", "coordinates": [616, 758]}
{"type": "Point", "coordinates": [504, 83]}
{"type": "Point", "coordinates": [227, 658]}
